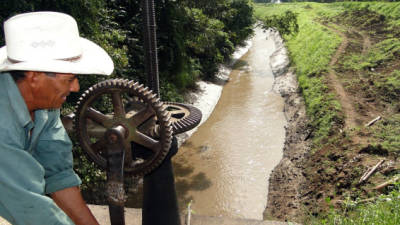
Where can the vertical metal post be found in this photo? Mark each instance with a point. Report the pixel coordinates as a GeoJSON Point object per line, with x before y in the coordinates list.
{"type": "Point", "coordinates": [160, 204]}
{"type": "Point", "coordinates": [150, 45]}
{"type": "Point", "coordinates": [115, 174]}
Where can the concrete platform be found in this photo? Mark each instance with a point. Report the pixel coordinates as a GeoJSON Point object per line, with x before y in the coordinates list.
{"type": "Point", "coordinates": [134, 217]}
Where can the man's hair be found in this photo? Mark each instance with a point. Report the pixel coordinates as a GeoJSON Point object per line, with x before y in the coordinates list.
{"type": "Point", "coordinates": [50, 74]}
{"type": "Point", "coordinates": [17, 75]}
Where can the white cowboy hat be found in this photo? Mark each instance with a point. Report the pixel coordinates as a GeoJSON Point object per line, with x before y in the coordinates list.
{"type": "Point", "coordinates": [50, 42]}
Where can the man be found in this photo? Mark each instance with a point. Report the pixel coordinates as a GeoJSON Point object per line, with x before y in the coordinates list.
{"type": "Point", "coordinates": [38, 65]}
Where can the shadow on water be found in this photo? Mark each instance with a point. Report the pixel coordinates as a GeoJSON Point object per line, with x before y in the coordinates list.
{"type": "Point", "coordinates": [186, 179]}
{"type": "Point", "coordinates": [240, 64]}
{"type": "Point", "coordinates": [196, 182]}
{"type": "Point", "coordinates": [221, 80]}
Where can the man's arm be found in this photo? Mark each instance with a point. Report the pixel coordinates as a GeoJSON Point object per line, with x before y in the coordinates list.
{"type": "Point", "coordinates": [54, 153]}
{"type": "Point", "coordinates": [71, 202]}
{"type": "Point", "coordinates": [22, 200]}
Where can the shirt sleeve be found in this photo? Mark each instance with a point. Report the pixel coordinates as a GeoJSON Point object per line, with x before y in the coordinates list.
{"type": "Point", "coordinates": [54, 152]}
{"type": "Point", "coordinates": [22, 201]}
{"type": "Point", "coordinates": [22, 183]}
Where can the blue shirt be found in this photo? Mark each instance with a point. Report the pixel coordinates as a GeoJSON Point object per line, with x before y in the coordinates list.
{"type": "Point", "coordinates": [35, 160]}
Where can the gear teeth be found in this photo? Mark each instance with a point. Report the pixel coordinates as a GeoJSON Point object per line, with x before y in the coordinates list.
{"type": "Point", "coordinates": [139, 87]}
{"type": "Point", "coordinates": [159, 105]}
{"type": "Point", "coordinates": [164, 114]}
{"type": "Point", "coordinates": [141, 95]}
{"type": "Point", "coordinates": [155, 101]}
{"type": "Point", "coordinates": [154, 96]}
{"type": "Point", "coordinates": [168, 117]}
{"type": "Point", "coordinates": [190, 120]}
{"type": "Point", "coordinates": [144, 90]}
{"type": "Point", "coordinates": [148, 93]}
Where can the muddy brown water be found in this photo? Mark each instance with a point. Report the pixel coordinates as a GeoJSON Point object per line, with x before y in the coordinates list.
{"type": "Point", "coordinates": [224, 167]}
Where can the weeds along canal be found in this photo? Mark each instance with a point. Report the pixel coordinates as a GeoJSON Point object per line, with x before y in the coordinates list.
{"type": "Point", "coordinates": [224, 167]}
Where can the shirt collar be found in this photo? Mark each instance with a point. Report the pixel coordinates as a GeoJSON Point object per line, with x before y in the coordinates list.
{"type": "Point", "coordinates": [17, 102]}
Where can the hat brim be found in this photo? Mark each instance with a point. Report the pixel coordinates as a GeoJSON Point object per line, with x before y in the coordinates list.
{"type": "Point", "coordinates": [94, 60]}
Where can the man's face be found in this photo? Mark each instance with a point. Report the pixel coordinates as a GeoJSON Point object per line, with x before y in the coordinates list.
{"type": "Point", "coordinates": [53, 88]}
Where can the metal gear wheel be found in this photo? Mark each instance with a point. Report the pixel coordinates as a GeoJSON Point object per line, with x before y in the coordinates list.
{"type": "Point", "coordinates": [131, 105]}
{"type": "Point", "coordinates": [183, 117]}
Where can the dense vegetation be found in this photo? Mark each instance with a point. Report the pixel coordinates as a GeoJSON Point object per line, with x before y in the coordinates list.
{"type": "Point", "coordinates": [368, 70]}
{"type": "Point", "coordinates": [322, 1]}
{"type": "Point", "coordinates": [193, 38]}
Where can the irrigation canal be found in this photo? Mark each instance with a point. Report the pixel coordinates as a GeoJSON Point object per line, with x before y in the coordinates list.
{"type": "Point", "coordinates": [224, 167]}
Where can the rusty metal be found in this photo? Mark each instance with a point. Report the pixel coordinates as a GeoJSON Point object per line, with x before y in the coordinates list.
{"type": "Point", "coordinates": [183, 117]}
{"type": "Point", "coordinates": [68, 122]}
{"type": "Point", "coordinates": [115, 173]}
{"type": "Point", "coordinates": [160, 204]}
{"type": "Point", "coordinates": [150, 45]}
{"type": "Point", "coordinates": [133, 107]}
{"type": "Point", "coordinates": [116, 193]}
{"type": "Point", "coordinates": [138, 118]}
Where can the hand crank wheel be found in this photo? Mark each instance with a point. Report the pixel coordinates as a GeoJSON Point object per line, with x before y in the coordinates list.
{"type": "Point", "coordinates": [129, 104]}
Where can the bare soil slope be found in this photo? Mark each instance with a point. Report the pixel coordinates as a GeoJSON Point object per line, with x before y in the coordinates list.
{"type": "Point", "coordinates": [310, 182]}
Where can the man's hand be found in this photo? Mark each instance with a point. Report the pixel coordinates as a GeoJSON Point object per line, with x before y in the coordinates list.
{"type": "Point", "coordinates": [71, 202]}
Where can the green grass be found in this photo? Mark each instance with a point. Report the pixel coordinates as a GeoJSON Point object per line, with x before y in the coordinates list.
{"type": "Point", "coordinates": [382, 52]}
{"type": "Point", "coordinates": [385, 210]}
{"type": "Point", "coordinates": [312, 48]}
{"type": "Point", "coordinates": [387, 133]}
{"type": "Point", "coordinates": [379, 66]}
{"type": "Point", "coordinates": [310, 53]}
{"type": "Point", "coordinates": [389, 89]}
{"type": "Point", "coordinates": [389, 9]}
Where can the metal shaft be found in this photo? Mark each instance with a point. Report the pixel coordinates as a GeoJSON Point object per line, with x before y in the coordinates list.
{"type": "Point", "coordinates": [150, 45]}
{"type": "Point", "coordinates": [160, 205]}
{"type": "Point", "coordinates": [115, 174]}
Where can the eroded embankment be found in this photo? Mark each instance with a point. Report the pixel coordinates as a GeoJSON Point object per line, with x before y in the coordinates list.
{"type": "Point", "coordinates": [363, 75]}
{"type": "Point", "coordinates": [287, 178]}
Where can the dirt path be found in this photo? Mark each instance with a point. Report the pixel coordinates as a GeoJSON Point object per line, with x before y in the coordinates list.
{"type": "Point", "coordinates": [366, 42]}
{"type": "Point", "coordinates": [308, 176]}
{"type": "Point", "coordinates": [346, 101]}
{"type": "Point", "coordinates": [300, 183]}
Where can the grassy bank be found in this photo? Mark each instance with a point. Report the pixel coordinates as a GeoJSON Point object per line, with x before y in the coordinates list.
{"type": "Point", "coordinates": [310, 52]}
{"type": "Point", "coordinates": [383, 210]}
{"type": "Point", "coordinates": [368, 69]}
